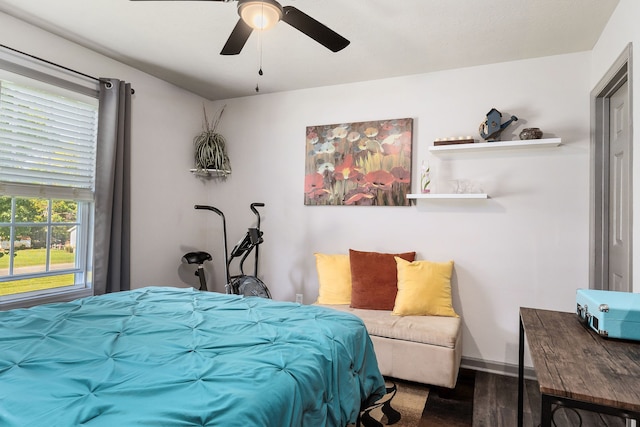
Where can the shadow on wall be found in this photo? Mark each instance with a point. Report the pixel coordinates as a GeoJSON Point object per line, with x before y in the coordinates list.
{"type": "Point", "coordinates": [477, 298]}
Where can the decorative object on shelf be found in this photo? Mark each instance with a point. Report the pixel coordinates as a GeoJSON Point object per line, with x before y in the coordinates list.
{"type": "Point", "coordinates": [363, 163]}
{"type": "Point", "coordinates": [491, 128]}
{"type": "Point", "coordinates": [531, 133]}
{"type": "Point", "coordinates": [425, 178]}
{"type": "Point", "coordinates": [211, 149]}
{"type": "Point", "coordinates": [465, 186]}
{"type": "Point", "coordinates": [456, 140]}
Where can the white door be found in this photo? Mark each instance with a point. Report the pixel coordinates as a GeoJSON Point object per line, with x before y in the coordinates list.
{"type": "Point", "coordinates": [619, 191]}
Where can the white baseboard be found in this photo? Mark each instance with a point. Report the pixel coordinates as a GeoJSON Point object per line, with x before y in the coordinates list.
{"type": "Point", "coordinates": [496, 368]}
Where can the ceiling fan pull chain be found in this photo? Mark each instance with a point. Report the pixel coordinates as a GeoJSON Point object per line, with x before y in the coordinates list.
{"type": "Point", "coordinates": [260, 73]}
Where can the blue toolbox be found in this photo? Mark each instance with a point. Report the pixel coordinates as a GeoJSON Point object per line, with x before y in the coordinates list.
{"type": "Point", "coordinates": [611, 314]}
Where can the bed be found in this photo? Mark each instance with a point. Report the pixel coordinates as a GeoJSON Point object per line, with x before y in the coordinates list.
{"type": "Point", "coordinates": [161, 356]}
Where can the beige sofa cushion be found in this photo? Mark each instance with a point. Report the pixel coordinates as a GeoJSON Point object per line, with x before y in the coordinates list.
{"type": "Point", "coordinates": [433, 330]}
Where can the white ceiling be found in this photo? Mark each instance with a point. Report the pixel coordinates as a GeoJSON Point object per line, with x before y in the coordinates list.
{"type": "Point", "coordinates": [180, 41]}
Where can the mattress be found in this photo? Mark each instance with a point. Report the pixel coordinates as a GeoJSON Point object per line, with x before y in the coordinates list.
{"type": "Point", "coordinates": [160, 356]}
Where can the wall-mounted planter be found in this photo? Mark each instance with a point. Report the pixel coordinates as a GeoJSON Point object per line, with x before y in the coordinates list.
{"type": "Point", "coordinates": [211, 150]}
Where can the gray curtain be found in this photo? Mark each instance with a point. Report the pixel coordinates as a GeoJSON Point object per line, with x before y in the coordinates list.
{"type": "Point", "coordinates": [111, 268]}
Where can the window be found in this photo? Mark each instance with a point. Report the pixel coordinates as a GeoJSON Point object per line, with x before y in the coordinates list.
{"type": "Point", "coordinates": [47, 177]}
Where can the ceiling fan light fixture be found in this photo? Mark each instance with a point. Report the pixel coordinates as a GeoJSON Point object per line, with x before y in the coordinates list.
{"type": "Point", "coordinates": [260, 14]}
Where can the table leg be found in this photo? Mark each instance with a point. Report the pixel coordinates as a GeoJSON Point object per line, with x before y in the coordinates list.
{"type": "Point", "coordinates": [521, 374]}
{"type": "Point", "coordinates": [545, 411]}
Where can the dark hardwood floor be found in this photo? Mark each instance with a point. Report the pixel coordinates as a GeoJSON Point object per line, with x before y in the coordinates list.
{"type": "Point", "coordinates": [495, 404]}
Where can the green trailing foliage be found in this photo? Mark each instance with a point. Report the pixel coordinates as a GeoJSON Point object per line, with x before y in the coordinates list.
{"type": "Point", "coordinates": [211, 148]}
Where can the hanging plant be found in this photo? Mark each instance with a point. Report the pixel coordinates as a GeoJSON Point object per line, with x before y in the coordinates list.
{"type": "Point", "coordinates": [211, 149]}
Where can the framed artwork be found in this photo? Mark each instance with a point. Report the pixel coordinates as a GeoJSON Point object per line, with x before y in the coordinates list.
{"type": "Point", "coordinates": [365, 163]}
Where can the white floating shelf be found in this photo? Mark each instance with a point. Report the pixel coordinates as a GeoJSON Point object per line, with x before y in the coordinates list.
{"type": "Point", "coordinates": [212, 172]}
{"type": "Point", "coordinates": [448, 196]}
{"type": "Point", "coordinates": [528, 143]}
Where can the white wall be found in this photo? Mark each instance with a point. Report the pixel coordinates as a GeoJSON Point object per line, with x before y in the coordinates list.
{"type": "Point", "coordinates": [621, 30]}
{"type": "Point", "coordinates": [525, 246]}
{"type": "Point", "coordinates": [165, 120]}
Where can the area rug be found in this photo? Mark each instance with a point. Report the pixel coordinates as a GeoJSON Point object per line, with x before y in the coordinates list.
{"type": "Point", "coordinates": [451, 408]}
{"type": "Point", "coordinates": [408, 404]}
{"type": "Point", "coordinates": [402, 406]}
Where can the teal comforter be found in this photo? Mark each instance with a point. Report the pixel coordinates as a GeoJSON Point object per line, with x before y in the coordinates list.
{"type": "Point", "coordinates": [178, 357]}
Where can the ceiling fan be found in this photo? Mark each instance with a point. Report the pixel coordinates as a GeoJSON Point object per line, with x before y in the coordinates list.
{"type": "Point", "coordinates": [264, 14]}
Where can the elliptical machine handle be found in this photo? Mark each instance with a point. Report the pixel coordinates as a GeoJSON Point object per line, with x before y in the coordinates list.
{"type": "Point", "coordinates": [255, 211]}
{"type": "Point", "coordinates": [210, 208]}
{"type": "Point", "coordinates": [224, 248]}
{"type": "Point", "coordinates": [253, 207]}
{"type": "Point", "coordinates": [256, 234]}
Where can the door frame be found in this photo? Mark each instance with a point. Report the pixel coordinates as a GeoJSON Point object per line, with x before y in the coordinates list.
{"type": "Point", "coordinates": [616, 76]}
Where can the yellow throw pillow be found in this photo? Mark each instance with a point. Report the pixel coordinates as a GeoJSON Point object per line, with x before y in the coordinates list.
{"type": "Point", "coordinates": [334, 279]}
{"type": "Point", "coordinates": [424, 289]}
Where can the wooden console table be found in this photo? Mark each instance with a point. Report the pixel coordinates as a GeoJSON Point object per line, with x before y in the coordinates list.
{"type": "Point", "coordinates": [577, 368]}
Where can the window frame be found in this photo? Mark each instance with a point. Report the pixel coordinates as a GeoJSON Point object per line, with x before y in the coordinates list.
{"type": "Point", "coordinates": [34, 73]}
{"type": "Point", "coordinates": [82, 269]}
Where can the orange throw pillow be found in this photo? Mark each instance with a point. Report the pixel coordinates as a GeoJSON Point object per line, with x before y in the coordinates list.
{"type": "Point", "coordinates": [374, 279]}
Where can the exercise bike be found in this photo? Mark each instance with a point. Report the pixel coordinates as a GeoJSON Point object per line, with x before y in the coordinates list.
{"type": "Point", "coordinates": [241, 284]}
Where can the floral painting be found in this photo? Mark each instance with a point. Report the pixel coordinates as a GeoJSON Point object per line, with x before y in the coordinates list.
{"type": "Point", "coordinates": [366, 163]}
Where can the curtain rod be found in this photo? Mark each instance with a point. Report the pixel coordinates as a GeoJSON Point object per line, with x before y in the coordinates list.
{"type": "Point", "coordinates": [55, 65]}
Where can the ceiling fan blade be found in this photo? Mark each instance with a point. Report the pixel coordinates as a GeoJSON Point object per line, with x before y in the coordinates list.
{"type": "Point", "coordinates": [314, 29]}
{"type": "Point", "coordinates": [237, 39]}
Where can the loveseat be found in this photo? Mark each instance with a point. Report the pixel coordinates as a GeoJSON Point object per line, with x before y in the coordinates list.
{"type": "Point", "coordinates": [417, 336]}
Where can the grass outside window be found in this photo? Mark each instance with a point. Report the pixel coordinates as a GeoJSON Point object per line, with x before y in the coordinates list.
{"type": "Point", "coordinates": [32, 258]}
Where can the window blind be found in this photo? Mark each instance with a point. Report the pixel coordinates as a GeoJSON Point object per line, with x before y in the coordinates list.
{"type": "Point", "coordinates": [47, 140]}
